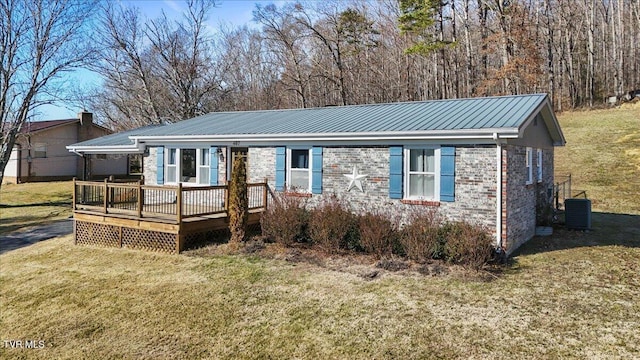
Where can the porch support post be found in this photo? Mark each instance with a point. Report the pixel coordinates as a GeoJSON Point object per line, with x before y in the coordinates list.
{"type": "Point", "coordinates": [265, 189]}
{"type": "Point", "coordinates": [105, 195]}
{"type": "Point", "coordinates": [140, 201]}
{"type": "Point", "coordinates": [73, 204]}
{"type": "Point", "coordinates": [179, 203]}
{"type": "Point", "coordinates": [179, 242]}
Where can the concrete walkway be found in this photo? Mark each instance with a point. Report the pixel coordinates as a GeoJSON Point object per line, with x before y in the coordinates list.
{"type": "Point", "coordinates": [31, 235]}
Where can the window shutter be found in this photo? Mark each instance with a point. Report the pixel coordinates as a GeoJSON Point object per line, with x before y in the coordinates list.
{"type": "Point", "coordinates": [316, 171]}
{"type": "Point", "coordinates": [280, 167]}
{"type": "Point", "coordinates": [395, 172]}
{"type": "Point", "coordinates": [160, 166]}
{"type": "Point", "coordinates": [447, 173]}
{"type": "Point", "coordinates": [213, 165]}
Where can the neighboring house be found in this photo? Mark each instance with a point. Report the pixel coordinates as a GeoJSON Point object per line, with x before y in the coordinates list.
{"type": "Point", "coordinates": [484, 160]}
{"type": "Point", "coordinates": [40, 152]}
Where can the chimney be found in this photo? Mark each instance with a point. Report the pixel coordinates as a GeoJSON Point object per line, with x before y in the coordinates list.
{"type": "Point", "coordinates": [85, 131]}
{"type": "Point", "coordinates": [85, 117]}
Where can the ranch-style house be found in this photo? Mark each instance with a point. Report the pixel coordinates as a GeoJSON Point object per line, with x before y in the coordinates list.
{"type": "Point", "coordinates": [485, 160]}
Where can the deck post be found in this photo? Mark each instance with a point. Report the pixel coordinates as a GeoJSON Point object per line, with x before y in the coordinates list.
{"type": "Point", "coordinates": [179, 203]}
{"type": "Point", "coordinates": [105, 195]}
{"type": "Point", "coordinates": [140, 201]}
{"type": "Point", "coordinates": [73, 204]}
{"type": "Point", "coordinates": [264, 193]}
{"type": "Point", "coordinates": [179, 242]}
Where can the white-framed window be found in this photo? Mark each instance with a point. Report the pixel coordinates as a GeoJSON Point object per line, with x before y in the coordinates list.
{"type": "Point", "coordinates": [203, 166]}
{"type": "Point", "coordinates": [539, 164]}
{"type": "Point", "coordinates": [422, 173]}
{"type": "Point", "coordinates": [40, 150]}
{"type": "Point", "coordinates": [187, 165]}
{"type": "Point", "coordinates": [172, 165]}
{"type": "Point", "coordinates": [529, 166]}
{"type": "Point", "coordinates": [299, 169]}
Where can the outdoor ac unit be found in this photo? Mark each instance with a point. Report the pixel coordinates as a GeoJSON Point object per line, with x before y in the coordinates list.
{"type": "Point", "coordinates": [577, 214]}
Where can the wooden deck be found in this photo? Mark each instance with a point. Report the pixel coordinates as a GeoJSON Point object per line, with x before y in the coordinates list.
{"type": "Point", "coordinates": [161, 218]}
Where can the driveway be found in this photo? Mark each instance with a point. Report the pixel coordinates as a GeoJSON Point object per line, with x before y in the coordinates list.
{"type": "Point", "coordinates": [31, 235]}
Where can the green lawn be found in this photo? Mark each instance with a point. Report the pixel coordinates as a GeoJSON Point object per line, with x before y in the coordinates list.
{"type": "Point", "coordinates": [573, 295]}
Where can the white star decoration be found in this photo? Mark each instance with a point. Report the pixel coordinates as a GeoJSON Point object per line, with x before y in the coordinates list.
{"type": "Point", "coordinates": [356, 179]}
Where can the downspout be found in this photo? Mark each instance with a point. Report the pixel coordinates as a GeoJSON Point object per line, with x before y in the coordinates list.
{"type": "Point", "coordinates": [496, 138]}
{"type": "Point", "coordinates": [19, 163]}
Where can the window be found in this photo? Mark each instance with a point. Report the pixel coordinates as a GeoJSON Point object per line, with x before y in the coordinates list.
{"type": "Point", "coordinates": [172, 165]}
{"type": "Point", "coordinates": [529, 166]}
{"type": "Point", "coordinates": [135, 164]}
{"type": "Point", "coordinates": [203, 166]}
{"type": "Point", "coordinates": [539, 165]}
{"type": "Point", "coordinates": [187, 165]}
{"type": "Point", "coordinates": [299, 167]}
{"type": "Point", "coordinates": [40, 150]}
{"type": "Point", "coordinates": [422, 180]}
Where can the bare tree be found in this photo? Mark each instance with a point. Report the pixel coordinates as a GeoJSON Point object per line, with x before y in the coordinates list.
{"type": "Point", "coordinates": [39, 41]}
{"type": "Point", "coordinates": [157, 70]}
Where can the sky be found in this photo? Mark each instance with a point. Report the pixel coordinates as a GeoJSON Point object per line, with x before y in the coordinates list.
{"type": "Point", "coordinates": [228, 12]}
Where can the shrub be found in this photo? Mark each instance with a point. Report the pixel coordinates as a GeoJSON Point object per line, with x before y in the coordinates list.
{"type": "Point", "coordinates": [285, 219]}
{"type": "Point", "coordinates": [378, 233]}
{"type": "Point", "coordinates": [238, 201]}
{"type": "Point", "coordinates": [467, 244]}
{"type": "Point", "coordinates": [330, 224]}
{"type": "Point", "coordinates": [421, 239]}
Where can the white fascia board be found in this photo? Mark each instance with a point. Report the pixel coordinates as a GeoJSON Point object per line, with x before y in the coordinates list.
{"type": "Point", "coordinates": [115, 149]}
{"type": "Point", "coordinates": [372, 138]}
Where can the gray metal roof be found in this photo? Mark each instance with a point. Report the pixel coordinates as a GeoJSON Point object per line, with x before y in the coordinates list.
{"type": "Point", "coordinates": [117, 139]}
{"type": "Point", "coordinates": [458, 114]}
{"type": "Point", "coordinates": [480, 117]}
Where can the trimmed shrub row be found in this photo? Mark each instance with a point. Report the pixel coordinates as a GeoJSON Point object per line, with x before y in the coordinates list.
{"type": "Point", "coordinates": [333, 228]}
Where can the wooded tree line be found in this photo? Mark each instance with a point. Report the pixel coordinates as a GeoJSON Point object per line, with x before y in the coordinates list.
{"type": "Point", "coordinates": [339, 53]}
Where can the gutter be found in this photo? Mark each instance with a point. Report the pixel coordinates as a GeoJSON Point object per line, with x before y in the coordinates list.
{"type": "Point", "coordinates": [351, 137]}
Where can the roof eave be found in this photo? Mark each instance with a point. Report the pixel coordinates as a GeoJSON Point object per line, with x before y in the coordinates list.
{"type": "Point", "coordinates": [109, 149]}
{"type": "Point", "coordinates": [485, 134]}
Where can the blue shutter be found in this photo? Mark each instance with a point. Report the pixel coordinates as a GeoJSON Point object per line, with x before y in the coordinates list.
{"type": "Point", "coordinates": [447, 173]}
{"type": "Point", "coordinates": [213, 165]}
{"type": "Point", "coordinates": [316, 171]}
{"type": "Point", "coordinates": [395, 172]}
{"type": "Point", "coordinates": [160, 166]}
{"type": "Point", "coordinates": [280, 167]}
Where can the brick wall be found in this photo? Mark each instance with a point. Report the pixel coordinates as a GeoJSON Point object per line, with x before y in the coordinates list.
{"type": "Point", "coordinates": [475, 187]}
{"type": "Point", "coordinates": [475, 184]}
{"type": "Point", "coordinates": [520, 200]}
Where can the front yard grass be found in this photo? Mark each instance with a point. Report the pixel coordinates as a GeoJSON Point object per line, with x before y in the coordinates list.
{"type": "Point", "coordinates": [571, 296]}
{"type": "Point", "coordinates": [23, 205]}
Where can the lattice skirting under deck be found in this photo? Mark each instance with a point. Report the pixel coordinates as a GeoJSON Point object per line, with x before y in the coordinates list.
{"type": "Point", "coordinates": [88, 233]}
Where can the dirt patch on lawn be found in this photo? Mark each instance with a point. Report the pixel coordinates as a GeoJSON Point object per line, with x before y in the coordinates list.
{"type": "Point", "coordinates": [365, 266]}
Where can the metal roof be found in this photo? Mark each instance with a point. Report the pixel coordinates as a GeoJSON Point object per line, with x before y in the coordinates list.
{"type": "Point", "coordinates": [118, 139]}
{"type": "Point", "coordinates": [458, 114]}
{"type": "Point", "coordinates": [470, 118]}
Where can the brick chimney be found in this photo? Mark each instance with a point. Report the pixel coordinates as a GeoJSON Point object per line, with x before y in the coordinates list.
{"type": "Point", "coordinates": [86, 130]}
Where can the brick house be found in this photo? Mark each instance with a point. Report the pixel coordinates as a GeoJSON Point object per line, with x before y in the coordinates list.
{"type": "Point", "coordinates": [40, 152]}
{"type": "Point", "coordinates": [485, 160]}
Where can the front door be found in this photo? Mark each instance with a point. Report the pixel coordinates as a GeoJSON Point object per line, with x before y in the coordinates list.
{"type": "Point", "coordinates": [235, 153]}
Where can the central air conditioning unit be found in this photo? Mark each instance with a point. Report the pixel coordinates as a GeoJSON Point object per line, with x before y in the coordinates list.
{"type": "Point", "coordinates": [577, 214]}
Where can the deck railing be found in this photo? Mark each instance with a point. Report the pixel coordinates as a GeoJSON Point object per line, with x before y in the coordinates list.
{"type": "Point", "coordinates": [165, 202]}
